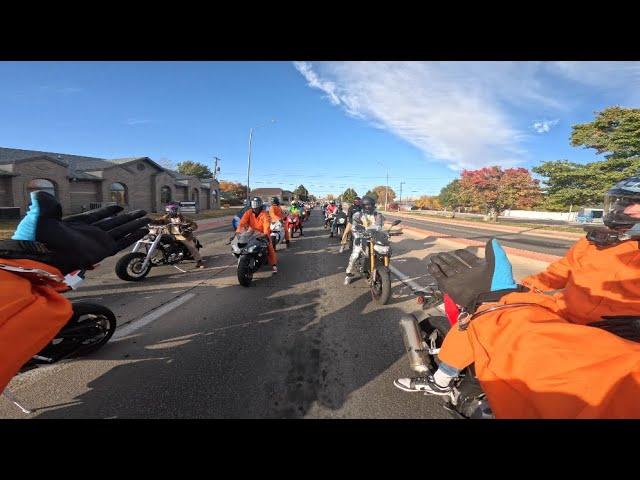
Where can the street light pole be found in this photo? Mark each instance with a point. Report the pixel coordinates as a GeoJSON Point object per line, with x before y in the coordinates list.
{"type": "Point", "coordinates": [386, 192]}
{"type": "Point", "coordinates": [249, 164]}
{"type": "Point", "coordinates": [400, 195]}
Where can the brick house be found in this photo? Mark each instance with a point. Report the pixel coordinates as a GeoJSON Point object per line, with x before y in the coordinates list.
{"type": "Point", "coordinates": [81, 183]}
{"type": "Point", "coordinates": [265, 194]}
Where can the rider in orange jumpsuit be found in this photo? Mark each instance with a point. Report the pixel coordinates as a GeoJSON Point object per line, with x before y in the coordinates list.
{"type": "Point", "coordinates": [257, 218]}
{"type": "Point", "coordinates": [276, 213]}
{"type": "Point", "coordinates": [541, 360]}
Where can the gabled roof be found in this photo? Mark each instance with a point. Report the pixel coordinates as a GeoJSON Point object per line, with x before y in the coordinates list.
{"type": "Point", "coordinates": [267, 191]}
{"type": "Point", "coordinates": [74, 162]}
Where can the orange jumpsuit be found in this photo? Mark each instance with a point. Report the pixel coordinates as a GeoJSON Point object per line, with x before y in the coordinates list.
{"type": "Point", "coordinates": [32, 312]}
{"type": "Point", "coordinates": [276, 213]}
{"type": "Point", "coordinates": [261, 223]}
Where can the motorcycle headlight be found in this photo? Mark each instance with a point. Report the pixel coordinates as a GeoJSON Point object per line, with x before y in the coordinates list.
{"type": "Point", "coordinates": [252, 248]}
{"type": "Point", "coordinates": [341, 220]}
{"type": "Point", "coordinates": [235, 248]}
{"type": "Point", "coordinates": [383, 249]}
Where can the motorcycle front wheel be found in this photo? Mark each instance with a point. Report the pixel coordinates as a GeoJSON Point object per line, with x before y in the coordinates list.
{"type": "Point", "coordinates": [245, 275]}
{"type": "Point", "coordinates": [130, 267]}
{"type": "Point", "coordinates": [381, 286]}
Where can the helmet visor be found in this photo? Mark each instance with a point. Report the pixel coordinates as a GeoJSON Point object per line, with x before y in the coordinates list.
{"type": "Point", "coordinates": [621, 210]}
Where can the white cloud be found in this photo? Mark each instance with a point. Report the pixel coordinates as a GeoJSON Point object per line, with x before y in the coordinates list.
{"type": "Point", "coordinates": [544, 126]}
{"type": "Point", "coordinates": [436, 107]}
{"type": "Point", "coordinates": [465, 114]}
{"type": "Point", "coordinates": [136, 121]}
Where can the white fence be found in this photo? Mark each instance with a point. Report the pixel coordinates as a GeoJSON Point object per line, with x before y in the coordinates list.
{"type": "Point", "coordinates": [535, 215]}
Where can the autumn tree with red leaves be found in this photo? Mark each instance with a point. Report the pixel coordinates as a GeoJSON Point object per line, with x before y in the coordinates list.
{"type": "Point", "coordinates": [495, 190]}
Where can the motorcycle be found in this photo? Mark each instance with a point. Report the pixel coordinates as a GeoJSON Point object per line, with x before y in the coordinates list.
{"type": "Point", "coordinates": [293, 224]}
{"type": "Point", "coordinates": [374, 259]}
{"type": "Point", "coordinates": [250, 248]}
{"type": "Point", "coordinates": [277, 233]}
{"type": "Point", "coordinates": [158, 247]}
{"type": "Point", "coordinates": [338, 224]}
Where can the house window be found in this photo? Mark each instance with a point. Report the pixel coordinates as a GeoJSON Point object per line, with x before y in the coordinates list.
{"type": "Point", "coordinates": [41, 184]}
{"type": "Point", "coordinates": [165, 195]}
{"type": "Point", "coordinates": [118, 193]}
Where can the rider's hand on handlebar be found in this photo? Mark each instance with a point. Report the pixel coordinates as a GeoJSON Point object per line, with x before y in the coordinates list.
{"type": "Point", "coordinates": [470, 280]}
{"type": "Point", "coordinates": [79, 241]}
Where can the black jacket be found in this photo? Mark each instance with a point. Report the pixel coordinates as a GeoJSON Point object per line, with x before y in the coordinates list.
{"type": "Point", "coordinates": [353, 209]}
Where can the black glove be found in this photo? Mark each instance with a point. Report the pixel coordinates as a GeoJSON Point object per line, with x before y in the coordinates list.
{"type": "Point", "coordinates": [625, 327]}
{"type": "Point", "coordinates": [79, 241]}
{"type": "Point", "coordinates": [470, 280]}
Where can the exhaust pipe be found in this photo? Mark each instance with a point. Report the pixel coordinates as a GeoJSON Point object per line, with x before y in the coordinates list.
{"type": "Point", "coordinates": [414, 344]}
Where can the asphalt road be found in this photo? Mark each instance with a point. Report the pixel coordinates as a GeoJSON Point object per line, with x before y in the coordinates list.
{"type": "Point", "coordinates": [198, 345]}
{"type": "Point", "coordinates": [553, 246]}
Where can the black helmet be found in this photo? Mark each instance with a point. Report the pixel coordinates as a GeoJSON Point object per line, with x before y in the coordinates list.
{"type": "Point", "coordinates": [368, 204]}
{"type": "Point", "coordinates": [256, 204]}
{"type": "Point", "coordinates": [622, 205]}
{"type": "Point", "coordinates": [275, 200]}
{"type": "Point", "coordinates": [332, 202]}
{"type": "Point", "coordinates": [172, 209]}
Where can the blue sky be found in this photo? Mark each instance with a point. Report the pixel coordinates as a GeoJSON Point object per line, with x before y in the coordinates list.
{"type": "Point", "coordinates": [338, 124]}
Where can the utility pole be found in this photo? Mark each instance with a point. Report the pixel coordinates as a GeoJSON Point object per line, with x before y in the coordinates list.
{"type": "Point", "coordinates": [386, 192]}
{"type": "Point", "coordinates": [215, 167]}
{"type": "Point", "coordinates": [249, 164]}
{"type": "Point", "coordinates": [400, 195]}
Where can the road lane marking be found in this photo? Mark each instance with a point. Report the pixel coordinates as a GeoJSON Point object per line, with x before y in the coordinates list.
{"type": "Point", "coordinates": [406, 279]}
{"type": "Point", "coordinates": [152, 316]}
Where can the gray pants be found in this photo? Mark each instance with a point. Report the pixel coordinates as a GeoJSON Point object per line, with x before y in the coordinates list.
{"type": "Point", "coordinates": [191, 246]}
{"type": "Point", "coordinates": [355, 253]}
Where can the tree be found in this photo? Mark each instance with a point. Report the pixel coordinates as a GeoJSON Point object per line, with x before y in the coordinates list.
{"type": "Point", "coordinates": [494, 190]}
{"type": "Point", "coordinates": [302, 193]}
{"type": "Point", "coordinates": [330, 197]}
{"type": "Point", "coordinates": [450, 195]}
{"type": "Point", "coordinates": [195, 169]}
{"type": "Point", "coordinates": [372, 195]}
{"type": "Point", "coordinates": [615, 131]}
{"type": "Point", "coordinates": [426, 202]}
{"type": "Point", "coordinates": [380, 194]}
{"type": "Point", "coordinates": [348, 195]}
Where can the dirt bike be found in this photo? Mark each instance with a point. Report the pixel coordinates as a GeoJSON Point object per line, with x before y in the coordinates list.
{"type": "Point", "coordinates": [250, 248]}
{"type": "Point", "coordinates": [158, 247]}
{"type": "Point", "coordinates": [374, 259]}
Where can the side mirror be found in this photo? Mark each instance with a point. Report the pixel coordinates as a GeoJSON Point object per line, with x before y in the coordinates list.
{"type": "Point", "coordinates": [396, 222]}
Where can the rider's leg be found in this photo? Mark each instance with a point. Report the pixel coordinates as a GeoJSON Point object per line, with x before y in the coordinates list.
{"type": "Point", "coordinates": [191, 246]}
{"type": "Point", "coordinates": [272, 258]}
{"type": "Point", "coordinates": [352, 261]}
{"type": "Point", "coordinates": [455, 355]}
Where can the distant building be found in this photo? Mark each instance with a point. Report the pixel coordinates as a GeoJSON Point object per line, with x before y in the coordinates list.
{"type": "Point", "coordinates": [83, 183]}
{"type": "Point", "coordinates": [265, 194]}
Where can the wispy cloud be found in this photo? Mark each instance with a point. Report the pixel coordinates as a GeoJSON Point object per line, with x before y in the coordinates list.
{"type": "Point", "coordinates": [465, 114]}
{"type": "Point", "coordinates": [136, 121]}
{"type": "Point", "coordinates": [544, 126]}
{"type": "Point", "coordinates": [432, 106]}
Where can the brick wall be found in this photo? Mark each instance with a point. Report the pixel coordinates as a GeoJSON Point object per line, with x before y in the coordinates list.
{"type": "Point", "coordinates": [83, 193]}
{"type": "Point", "coordinates": [6, 194]}
{"type": "Point", "coordinates": [31, 170]}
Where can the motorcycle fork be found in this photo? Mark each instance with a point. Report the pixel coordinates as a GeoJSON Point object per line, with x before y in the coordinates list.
{"type": "Point", "coordinates": [151, 251]}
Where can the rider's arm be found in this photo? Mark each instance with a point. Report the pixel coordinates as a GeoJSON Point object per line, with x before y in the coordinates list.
{"type": "Point", "coordinates": [163, 220]}
{"type": "Point", "coordinates": [557, 273]}
{"type": "Point", "coordinates": [244, 221]}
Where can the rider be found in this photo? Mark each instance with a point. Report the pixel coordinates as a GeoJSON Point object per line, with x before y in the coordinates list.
{"type": "Point", "coordinates": [184, 235]}
{"type": "Point", "coordinates": [295, 210]}
{"type": "Point", "coordinates": [257, 218]}
{"type": "Point", "coordinates": [368, 218]}
{"type": "Point", "coordinates": [276, 214]}
{"type": "Point", "coordinates": [356, 207]}
{"type": "Point", "coordinates": [42, 250]}
{"type": "Point", "coordinates": [599, 275]}
{"type": "Point", "coordinates": [330, 210]}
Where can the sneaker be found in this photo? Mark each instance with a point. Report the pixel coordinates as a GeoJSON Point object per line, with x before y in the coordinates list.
{"type": "Point", "coordinates": [274, 269]}
{"type": "Point", "coordinates": [199, 264]}
{"type": "Point", "coordinates": [426, 385]}
{"type": "Point", "coordinates": [341, 248]}
{"type": "Point", "coordinates": [348, 278]}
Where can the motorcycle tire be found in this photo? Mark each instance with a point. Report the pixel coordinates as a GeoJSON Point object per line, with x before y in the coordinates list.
{"type": "Point", "coordinates": [381, 286]}
{"type": "Point", "coordinates": [63, 345]}
{"type": "Point", "coordinates": [126, 267]}
{"type": "Point", "coordinates": [245, 275]}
